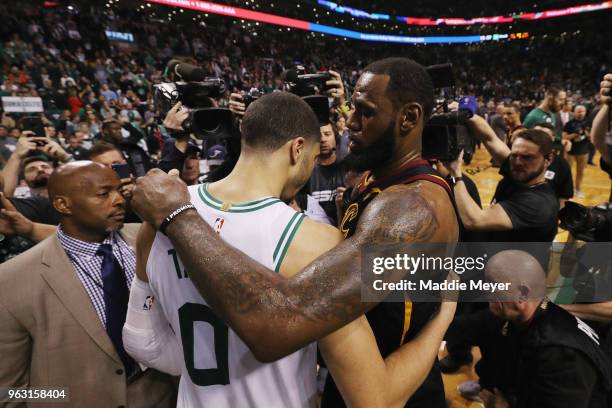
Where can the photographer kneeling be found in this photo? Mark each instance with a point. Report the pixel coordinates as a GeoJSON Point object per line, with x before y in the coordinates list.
{"type": "Point", "coordinates": [524, 207]}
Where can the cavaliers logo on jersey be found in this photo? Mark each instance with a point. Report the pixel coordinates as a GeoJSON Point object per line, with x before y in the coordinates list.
{"type": "Point", "coordinates": [349, 215]}
{"type": "Point", "coordinates": [219, 224]}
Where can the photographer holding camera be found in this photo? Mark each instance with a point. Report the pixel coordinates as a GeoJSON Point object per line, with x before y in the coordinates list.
{"type": "Point", "coordinates": [601, 131]}
{"type": "Point", "coordinates": [524, 207]}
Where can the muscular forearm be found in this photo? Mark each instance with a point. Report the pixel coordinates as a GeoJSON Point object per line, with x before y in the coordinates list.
{"type": "Point", "coordinates": [598, 132]}
{"type": "Point", "coordinates": [274, 316]}
{"type": "Point", "coordinates": [408, 367]}
{"type": "Point", "coordinates": [599, 312]}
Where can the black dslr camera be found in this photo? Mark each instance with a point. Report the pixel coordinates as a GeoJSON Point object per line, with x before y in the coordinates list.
{"type": "Point", "coordinates": [445, 134]}
{"type": "Point", "coordinates": [302, 84]}
{"type": "Point", "coordinates": [196, 91]}
{"type": "Point", "coordinates": [251, 96]}
{"type": "Point", "coordinates": [590, 224]}
{"type": "Point", "coordinates": [310, 87]}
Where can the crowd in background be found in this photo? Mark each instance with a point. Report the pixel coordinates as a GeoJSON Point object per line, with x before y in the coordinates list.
{"type": "Point", "coordinates": [98, 104]}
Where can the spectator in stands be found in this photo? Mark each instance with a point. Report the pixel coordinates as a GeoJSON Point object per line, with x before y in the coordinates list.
{"type": "Point", "coordinates": [106, 154]}
{"type": "Point", "coordinates": [559, 172]}
{"type": "Point", "coordinates": [576, 131]}
{"type": "Point", "coordinates": [31, 161]}
{"type": "Point", "coordinates": [75, 147]}
{"type": "Point", "coordinates": [108, 94]}
{"type": "Point", "coordinates": [63, 304]}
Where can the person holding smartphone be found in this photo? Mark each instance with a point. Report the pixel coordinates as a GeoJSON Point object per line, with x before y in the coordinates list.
{"type": "Point", "coordinates": [33, 161]}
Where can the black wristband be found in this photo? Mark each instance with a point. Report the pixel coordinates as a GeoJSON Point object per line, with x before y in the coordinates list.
{"type": "Point", "coordinates": [173, 215]}
{"type": "Point", "coordinates": [454, 180]}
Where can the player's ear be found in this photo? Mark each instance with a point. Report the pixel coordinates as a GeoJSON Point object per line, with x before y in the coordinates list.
{"type": "Point", "coordinates": [410, 116]}
{"type": "Point", "coordinates": [296, 149]}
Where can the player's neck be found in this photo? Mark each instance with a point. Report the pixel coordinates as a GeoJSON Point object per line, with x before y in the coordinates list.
{"type": "Point", "coordinates": [251, 179]}
{"type": "Point", "coordinates": [400, 158]}
{"type": "Point", "coordinates": [544, 106]}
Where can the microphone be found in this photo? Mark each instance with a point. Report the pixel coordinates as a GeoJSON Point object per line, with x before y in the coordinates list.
{"type": "Point", "coordinates": [187, 72]}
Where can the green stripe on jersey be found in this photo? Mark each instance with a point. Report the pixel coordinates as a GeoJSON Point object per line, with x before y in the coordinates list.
{"type": "Point", "coordinates": [281, 248]}
{"type": "Point", "coordinates": [211, 201]}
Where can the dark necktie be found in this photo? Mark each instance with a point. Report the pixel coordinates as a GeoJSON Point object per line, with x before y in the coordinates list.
{"type": "Point", "coordinates": [116, 295]}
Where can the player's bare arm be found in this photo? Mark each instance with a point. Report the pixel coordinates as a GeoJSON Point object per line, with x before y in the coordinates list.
{"type": "Point", "coordinates": [351, 353]}
{"type": "Point", "coordinates": [273, 315]}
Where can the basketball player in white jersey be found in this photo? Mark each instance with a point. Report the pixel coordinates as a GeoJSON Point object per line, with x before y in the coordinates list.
{"type": "Point", "coordinates": [280, 136]}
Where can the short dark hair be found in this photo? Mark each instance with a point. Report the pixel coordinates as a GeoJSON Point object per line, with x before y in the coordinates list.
{"type": "Point", "coordinates": [275, 118]}
{"type": "Point", "coordinates": [553, 90]}
{"type": "Point", "coordinates": [514, 106]}
{"type": "Point", "coordinates": [538, 137]}
{"type": "Point", "coordinates": [408, 82]}
{"type": "Point", "coordinates": [101, 148]}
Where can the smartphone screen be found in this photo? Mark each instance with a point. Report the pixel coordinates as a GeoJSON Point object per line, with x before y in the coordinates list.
{"type": "Point", "coordinates": [33, 124]}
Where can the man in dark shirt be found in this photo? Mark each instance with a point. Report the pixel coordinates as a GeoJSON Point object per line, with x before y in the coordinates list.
{"type": "Point", "coordinates": [328, 174]}
{"type": "Point", "coordinates": [524, 207]}
{"type": "Point", "coordinates": [534, 354]}
{"type": "Point", "coordinates": [136, 157]}
{"type": "Point", "coordinates": [75, 148]}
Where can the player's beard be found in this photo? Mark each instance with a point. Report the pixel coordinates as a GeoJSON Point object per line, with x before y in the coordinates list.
{"type": "Point", "coordinates": [374, 156]}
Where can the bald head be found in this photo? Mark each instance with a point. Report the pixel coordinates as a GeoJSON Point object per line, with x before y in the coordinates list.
{"type": "Point", "coordinates": [87, 196]}
{"type": "Point", "coordinates": [521, 270]}
{"type": "Point", "coordinates": [71, 178]}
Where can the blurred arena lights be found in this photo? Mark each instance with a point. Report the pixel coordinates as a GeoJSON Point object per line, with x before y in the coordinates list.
{"type": "Point", "coordinates": [244, 14]}
{"type": "Point", "coordinates": [584, 8]}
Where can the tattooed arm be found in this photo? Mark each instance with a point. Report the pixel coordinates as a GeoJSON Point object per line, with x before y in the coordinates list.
{"type": "Point", "coordinates": [275, 316]}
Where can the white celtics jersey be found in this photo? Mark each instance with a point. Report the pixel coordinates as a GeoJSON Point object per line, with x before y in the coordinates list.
{"type": "Point", "coordinates": [218, 369]}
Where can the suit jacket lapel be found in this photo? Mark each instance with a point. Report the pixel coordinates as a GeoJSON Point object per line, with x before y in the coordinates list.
{"type": "Point", "coordinates": [60, 275]}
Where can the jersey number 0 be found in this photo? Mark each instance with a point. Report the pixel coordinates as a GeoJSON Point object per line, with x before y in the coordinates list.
{"type": "Point", "coordinates": [195, 312]}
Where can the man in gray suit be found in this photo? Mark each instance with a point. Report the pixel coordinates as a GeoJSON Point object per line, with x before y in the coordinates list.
{"type": "Point", "coordinates": [63, 303]}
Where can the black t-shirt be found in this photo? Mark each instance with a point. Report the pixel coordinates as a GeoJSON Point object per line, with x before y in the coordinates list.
{"type": "Point", "coordinates": [532, 210]}
{"type": "Point", "coordinates": [323, 184]}
{"type": "Point", "coordinates": [36, 209]}
{"type": "Point", "coordinates": [78, 153]}
{"type": "Point", "coordinates": [559, 176]}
